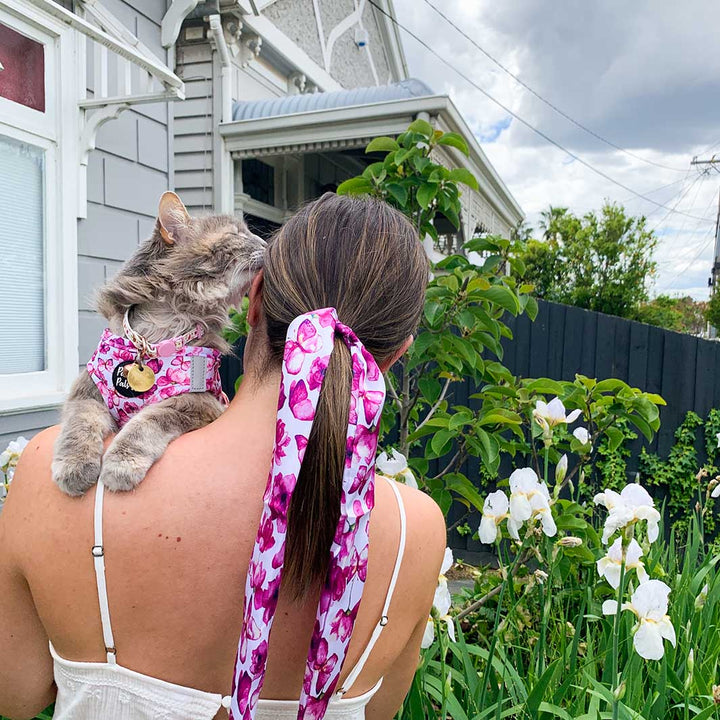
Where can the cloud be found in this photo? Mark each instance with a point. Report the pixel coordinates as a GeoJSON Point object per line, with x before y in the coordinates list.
{"type": "Point", "coordinates": [645, 75]}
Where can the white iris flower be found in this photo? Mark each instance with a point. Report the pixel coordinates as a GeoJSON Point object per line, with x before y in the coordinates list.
{"type": "Point", "coordinates": [495, 510]}
{"type": "Point", "coordinates": [609, 566]}
{"type": "Point", "coordinates": [529, 498]}
{"type": "Point", "coordinates": [9, 459]}
{"type": "Point", "coordinates": [548, 415]}
{"type": "Point", "coordinates": [583, 436]}
{"type": "Point", "coordinates": [441, 604]}
{"type": "Point", "coordinates": [649, 603]}
{"type": "Point", "coordinates": [632, 505]}
{"type": "Point", "coordinates": [393, 464]}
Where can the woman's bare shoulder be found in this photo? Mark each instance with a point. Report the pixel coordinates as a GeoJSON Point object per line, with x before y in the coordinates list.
{"type": "Point", "coordinates": [426, 536]}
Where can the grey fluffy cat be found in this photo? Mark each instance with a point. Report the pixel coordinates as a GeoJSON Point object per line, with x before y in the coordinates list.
{"type": "Point", "coordinates": [189, 272]}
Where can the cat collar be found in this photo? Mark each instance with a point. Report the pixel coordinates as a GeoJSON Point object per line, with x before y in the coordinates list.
{"type": "Point", "coordinates": [165, 348]}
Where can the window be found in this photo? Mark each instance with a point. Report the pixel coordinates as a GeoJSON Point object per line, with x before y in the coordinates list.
{"type": "Point", "coordinates": [24, 82]}
{"type": "Point", "coordinates": [38, 177]}
{"type": "Point", "coordinates": [258, 181]}
{"type": "Point", "coordinates": [22, 257]}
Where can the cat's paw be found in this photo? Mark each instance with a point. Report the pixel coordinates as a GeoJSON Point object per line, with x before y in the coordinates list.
{"type": "Point", "coordinates": [123, 471]}
{"type": "Point", "coordinates": [75, 475]}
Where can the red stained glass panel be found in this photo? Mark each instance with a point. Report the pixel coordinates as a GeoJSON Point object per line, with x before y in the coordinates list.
{"type": "Point", "coordinates": [22, 77]}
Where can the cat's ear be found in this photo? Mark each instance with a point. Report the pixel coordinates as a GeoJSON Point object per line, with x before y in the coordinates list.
{"type": "Point", "coordinates": [173, 218]}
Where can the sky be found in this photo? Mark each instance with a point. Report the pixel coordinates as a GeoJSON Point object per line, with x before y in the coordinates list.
{"type": "Point", "coordinates": [643, 75]}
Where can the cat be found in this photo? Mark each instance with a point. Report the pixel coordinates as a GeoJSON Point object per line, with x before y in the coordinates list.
{"type": "Point", "coordinates": [183, 280]}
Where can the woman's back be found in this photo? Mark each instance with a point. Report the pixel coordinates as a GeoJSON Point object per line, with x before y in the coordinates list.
{"type": "Point", "coordinates": [327, 316]}
{"type": "Point", "coordinates": [177, 551]}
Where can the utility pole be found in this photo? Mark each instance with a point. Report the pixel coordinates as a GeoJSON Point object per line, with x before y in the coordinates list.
{"type": "Point", "coordinates": [714, 163]}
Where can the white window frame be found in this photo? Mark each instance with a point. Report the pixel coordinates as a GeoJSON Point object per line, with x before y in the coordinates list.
{"type": "Point", "coordinates": [56, 131]}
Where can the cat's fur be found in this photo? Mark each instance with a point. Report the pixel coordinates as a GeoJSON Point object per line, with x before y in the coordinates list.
{"type": "Point", "coordinates": [190, 271]}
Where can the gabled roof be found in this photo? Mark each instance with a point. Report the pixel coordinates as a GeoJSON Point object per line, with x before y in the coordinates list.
{"type": "Point", "coordinates": [291, 104]}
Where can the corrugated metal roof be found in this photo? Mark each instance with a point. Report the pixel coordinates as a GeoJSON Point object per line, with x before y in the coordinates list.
{"type": "Point", "coordinates": [291, 104]}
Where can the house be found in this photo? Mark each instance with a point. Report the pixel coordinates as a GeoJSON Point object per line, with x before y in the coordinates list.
{"type": "Point", "coordinates": [250, 106]}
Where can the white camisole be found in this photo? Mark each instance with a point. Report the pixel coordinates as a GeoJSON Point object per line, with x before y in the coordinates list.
{"type": "Point", "coordinates": [106, 690]}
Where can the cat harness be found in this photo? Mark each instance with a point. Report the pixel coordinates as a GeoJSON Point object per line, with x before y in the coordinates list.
{"type": "Point", "coordinates": [131, 373]}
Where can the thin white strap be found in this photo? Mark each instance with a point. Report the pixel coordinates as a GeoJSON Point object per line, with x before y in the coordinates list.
{"type": "Point", "coordinates": [384, 619]}
{"type": "Point", "coordinates": [98, 553]}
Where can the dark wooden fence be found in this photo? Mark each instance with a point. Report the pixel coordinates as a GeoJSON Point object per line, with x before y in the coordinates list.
{"type": "Point", "coordinates": [566, 340]}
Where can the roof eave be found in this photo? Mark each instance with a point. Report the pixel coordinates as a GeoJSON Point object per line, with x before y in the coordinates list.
{"type": "Point", "coordinates": [390, 117]}
{"type": "Point", "coordinates": [387, 117]}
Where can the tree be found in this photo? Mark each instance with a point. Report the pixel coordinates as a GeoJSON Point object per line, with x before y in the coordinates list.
{"type": "Point", "coordinates": [712, 312]}
{"type": "Point", "coordinates": [462, 328]}
{"type": "Point", "coordinates": [600, 262]}
{"type": "Point", "coordinates": [682, 314]}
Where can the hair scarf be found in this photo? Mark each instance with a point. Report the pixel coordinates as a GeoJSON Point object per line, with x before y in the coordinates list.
{"type": "Point", "coordinates": [308, 346]}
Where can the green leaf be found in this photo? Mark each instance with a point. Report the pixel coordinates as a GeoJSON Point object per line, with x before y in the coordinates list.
{"type": "Point", "coordinates": [421, 126]}
{"type": "Point", "coordinates": [611, 385]}
{"type": "Point", "coordinates": [441, 441]}
{"type": "Point", "coordinates": [459, 419]}
{"type": "Point", "coordinates": [382, 144]}
{"type": "Point", "coordinates": [464, 176]}
{"type": "Point", "coordinates": [531, 308]}
{"type": "Point", "coordinates": [615, 438]}
{"type": "Point", "coordinates": [399, 192]}
{"type": "Point", "coordinates": [425, 194]}
{"type": "Point", "coordinates": [459, 484]}
{"type": "Point", "coordinates": [375, 172]}
{"type": "Point", "coordinates": [504, 297]}
{"type": "Point", "coordinates": [455, 140]}
{"type": "Point", "coordinates": [545, 386]}
{"type": "Point", "coordinates": [536, 695]}
{"type": "Point", "coordinates": [354, 186]}
{"type": "Point", "coordinates": [430, 387]}
{"type": "Point", "coordinates": [488, 448]}
{"type": "Point", "coordinates": [432, 311]}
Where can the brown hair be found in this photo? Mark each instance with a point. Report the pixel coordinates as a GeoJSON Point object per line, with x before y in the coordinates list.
{"type": "Point", "coordinates": [365, 259]}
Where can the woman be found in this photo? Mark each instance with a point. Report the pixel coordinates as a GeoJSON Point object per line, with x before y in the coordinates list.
{"type": "Point", "coordinates": [176, 552]}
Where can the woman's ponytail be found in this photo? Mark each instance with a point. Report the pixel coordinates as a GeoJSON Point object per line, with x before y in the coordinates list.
{"type": "Point", "coordinates": [363, 258]}
{"type": "Point", "coordinates": [315, 507]}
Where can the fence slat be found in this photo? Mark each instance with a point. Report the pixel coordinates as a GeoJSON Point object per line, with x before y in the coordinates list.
{"type": "Point", "coordinates": [573, 343]}
{"type": "Point", "coordinates": [589, 337]}
{"type": "Point", "coordinates": [638, 355]}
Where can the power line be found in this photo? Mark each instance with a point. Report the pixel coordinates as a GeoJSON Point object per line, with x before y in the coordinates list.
{"type": "Point", "coordinates": [626, 200]}
{"type": "Point", "coordinates": [667, 286]}
{"type": "Point", "coordinates": [689, 265]}
{"type": "Point", "coordinates": [521, 120]}
{"type": "Point", "coordinates": [681, 196]}
{"type": "Point", "coordinates": [545, 100]}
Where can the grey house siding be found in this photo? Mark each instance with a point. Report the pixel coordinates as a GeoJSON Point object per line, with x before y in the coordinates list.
{"type": "Point", "coordinates": [127, 173]}
{"type": "Point", "coordinates": [194, 120]}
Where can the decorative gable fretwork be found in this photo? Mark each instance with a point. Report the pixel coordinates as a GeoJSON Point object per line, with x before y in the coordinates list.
{"type": "Point", "coordinates": [117, 71]}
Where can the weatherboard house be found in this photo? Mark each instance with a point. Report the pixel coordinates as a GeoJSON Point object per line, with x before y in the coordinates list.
{"type": "Point", "coordinates": [252, 106]}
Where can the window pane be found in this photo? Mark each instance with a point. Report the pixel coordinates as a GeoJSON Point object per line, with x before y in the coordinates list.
{"type": "Point", "coordinates": [22, 261]}
{"type": "Point", "coordinates": [258, 179]}
{"type": "Point", "coordinates": [22, 77]}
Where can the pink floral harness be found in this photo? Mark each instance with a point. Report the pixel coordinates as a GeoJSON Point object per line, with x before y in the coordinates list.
{"type": "Point", "coordinates": [309, 344]}
{"type": "Point", "coordinates": [177, 371]}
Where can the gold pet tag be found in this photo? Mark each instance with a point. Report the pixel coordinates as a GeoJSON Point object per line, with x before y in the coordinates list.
{"type": "Point", "coordinates": [140, 378]}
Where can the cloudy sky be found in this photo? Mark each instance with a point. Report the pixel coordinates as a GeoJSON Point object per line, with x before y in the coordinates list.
{"type": "Point", "coordinates": [643, 75]}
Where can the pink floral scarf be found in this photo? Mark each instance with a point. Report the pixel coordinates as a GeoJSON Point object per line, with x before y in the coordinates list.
{"type": "Point", "coordinates": [189, 369]}
{"type": "Point", "coordinates": [308, 346]}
